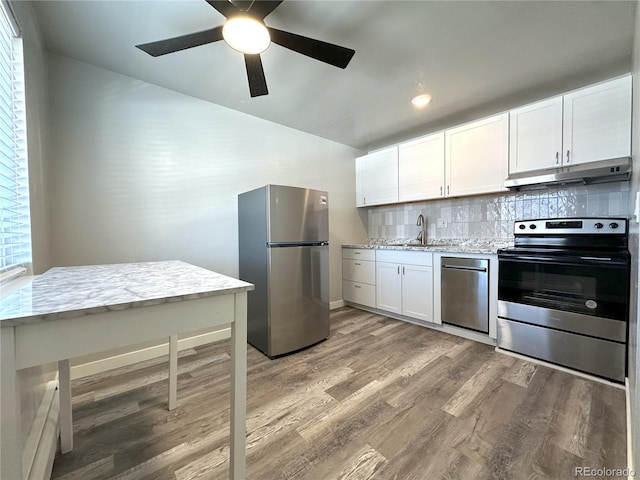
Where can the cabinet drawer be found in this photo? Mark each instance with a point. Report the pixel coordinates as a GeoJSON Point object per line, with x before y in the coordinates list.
{"type": "Point", "coordinates": [359, 254]}
{"type": "Point", "coordinates": [405, 257]}
{"type": "Point", "coordinates": [359, 271]}
{"type": "Point", "coordinates": [360, 293]}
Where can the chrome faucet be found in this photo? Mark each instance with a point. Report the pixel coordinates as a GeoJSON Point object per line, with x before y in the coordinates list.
{"type": "Point", "coordinates": [422, 236]}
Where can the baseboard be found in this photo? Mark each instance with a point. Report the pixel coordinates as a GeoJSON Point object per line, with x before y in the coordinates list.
{"type": "Point", "coordinates": [129, 358]}
{"type": "Point", "coordinates": [451, 330]}
{"type": "Point", "coordinates": [336, 304]}
{"type": "Point", "coordinates": [136, 356]}
{"type": "Point", "coordinates": [40, 444]}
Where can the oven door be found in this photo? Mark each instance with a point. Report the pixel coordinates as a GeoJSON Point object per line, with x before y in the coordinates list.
{"type": "Point", "coordinates": [567, 309]}
{"type": "Point", "coordinates": [588, 284]}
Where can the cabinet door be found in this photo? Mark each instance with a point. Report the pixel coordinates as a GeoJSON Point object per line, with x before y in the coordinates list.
{"type": "Point", "coordinates": [597, 122]}
{"type": "Point", "coordinates": [421, 168]}
{"type": "Point", "coordinates": [388, 287]}
{"type": "Point", "coordinates": [377, 174]}
{"type": "Point", "coordinates": [535, 136]}
{"type": "Point", "coordinates": [477, 156]}
{"type": "Point", "coordinates": [417, 292]}
{"type": "Point", "coordinates": [360, 161]}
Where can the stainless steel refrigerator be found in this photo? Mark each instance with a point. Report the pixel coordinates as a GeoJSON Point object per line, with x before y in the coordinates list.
{"type": "Point", "coordinates": [284, 251]}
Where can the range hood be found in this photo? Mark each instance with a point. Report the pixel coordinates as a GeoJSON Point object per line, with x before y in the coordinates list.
{"type": "Point", "coordinates": [604, 171]}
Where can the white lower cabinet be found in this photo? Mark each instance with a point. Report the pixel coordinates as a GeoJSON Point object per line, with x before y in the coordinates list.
{"type": "Point", "coordinates": [404, 283]}
{"type": "Point", "coordinates": [389, 287]}
{"type": "Point", "coordinates": [359, 276]}
{"type": "Point", "coordinates": [417, 292]}
{"type": "Point", "coordinates": [360, 293]}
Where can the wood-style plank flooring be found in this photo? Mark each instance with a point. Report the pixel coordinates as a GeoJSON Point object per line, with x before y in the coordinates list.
{"type": "Point", "coordinates": [380, 399]}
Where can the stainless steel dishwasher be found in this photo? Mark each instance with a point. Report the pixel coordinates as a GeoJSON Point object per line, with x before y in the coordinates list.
{"type": "Point", "coordinates": [465, 292]}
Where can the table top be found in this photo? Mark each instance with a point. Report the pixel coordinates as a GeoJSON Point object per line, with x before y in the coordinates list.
{"type": "Point", "coordinates": [64, 292]}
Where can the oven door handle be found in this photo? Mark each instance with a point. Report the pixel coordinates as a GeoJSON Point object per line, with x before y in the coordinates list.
{"type": "Point", "coordinates": [605, 261]}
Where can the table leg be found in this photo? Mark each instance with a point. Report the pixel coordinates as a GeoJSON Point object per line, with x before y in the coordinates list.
{"type": "Point", "coordinates": [10, 414]}
{"type": "Point", "coordinates": [66, 415]}
{"type": "Point", "coordinates": [237, 454]}
{"type": "Point", "coordinates": [173, 371]}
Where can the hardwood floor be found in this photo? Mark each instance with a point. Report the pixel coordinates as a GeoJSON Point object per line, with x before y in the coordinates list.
{"type": "Point", "coordinates": [380, 399]}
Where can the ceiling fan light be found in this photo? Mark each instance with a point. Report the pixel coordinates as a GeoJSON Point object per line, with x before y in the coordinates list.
{"type": "Point", "coordinates": [246, 35]}
{"type": "Point", "coordinates": [421, 101]}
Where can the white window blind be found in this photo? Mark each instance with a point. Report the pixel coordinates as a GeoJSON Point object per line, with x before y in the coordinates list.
{"type": "Point", "coordinates": [15, 223]}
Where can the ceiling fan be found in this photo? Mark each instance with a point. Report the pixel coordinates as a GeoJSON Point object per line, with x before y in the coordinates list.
{"type": "Point", "coordinates": [245, 31]}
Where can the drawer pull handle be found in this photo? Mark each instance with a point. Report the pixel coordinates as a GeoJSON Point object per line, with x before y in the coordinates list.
{"type": "Point", "coordinates": [356, 253]}
{"type": "Point", "coordinates": [357, 286]}
{"type": "Point", "coordinates": [356, 263]}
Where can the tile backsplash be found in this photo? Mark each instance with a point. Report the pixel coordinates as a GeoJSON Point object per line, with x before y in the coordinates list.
{"type": "Point", "coordinates": [492, 216]}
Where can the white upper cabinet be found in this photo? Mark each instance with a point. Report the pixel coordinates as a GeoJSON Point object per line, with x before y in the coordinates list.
{"type": "Point", "coordinates": [597, 122]}
{"type": "Point", "coordinates": [421, 168]}
{"type": "Point", "coordinates": [377, 178]}
{"type": "Point", "coordinates": [477, 156]}
{"type": "Point", "coordinates": [535, 134]}
{"type": "Point", "coordinates": [587, 125]}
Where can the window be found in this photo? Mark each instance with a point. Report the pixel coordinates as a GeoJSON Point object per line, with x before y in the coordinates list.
{"type": "Point", "coordinates": [15, 224]}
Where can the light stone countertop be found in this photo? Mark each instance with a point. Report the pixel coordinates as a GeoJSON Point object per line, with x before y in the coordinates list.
{"type": "Point", "coordinates": [63, 292]}
{"type": "Point", "coordinates": [446, 245]}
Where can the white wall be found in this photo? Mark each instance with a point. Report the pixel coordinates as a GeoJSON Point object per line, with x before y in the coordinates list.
{"type": "Point", "coordinates": [142, 173]}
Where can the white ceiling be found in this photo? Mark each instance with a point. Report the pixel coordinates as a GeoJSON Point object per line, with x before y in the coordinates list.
{"type": "Point", "coordinates": [475, 58]}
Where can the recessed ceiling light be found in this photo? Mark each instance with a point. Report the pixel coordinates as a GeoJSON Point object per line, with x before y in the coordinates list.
{"type": "Point", "coordinates": [421, 101]}
{"type": "Point", "coordinates": [246, 35]}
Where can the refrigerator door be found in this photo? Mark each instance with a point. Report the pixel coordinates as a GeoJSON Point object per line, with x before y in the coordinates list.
{"type": "Point", "coordinates": [297, 215]}
{"type": "Point", "coordinates": [298, 297]}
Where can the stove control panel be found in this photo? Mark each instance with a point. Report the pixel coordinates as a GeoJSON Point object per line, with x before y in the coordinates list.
{"type": "Point", "coordinates": [572, 226]}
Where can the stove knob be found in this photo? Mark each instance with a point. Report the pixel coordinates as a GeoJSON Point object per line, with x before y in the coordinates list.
{"type": "Point", "coordinates": [598, 225]}
{"type": "Point", "coordinates": [533, 226]}
{"type": "Point", "coordinates": [613, 225]}
{"type": "Point", "coordinates": [522, 226]}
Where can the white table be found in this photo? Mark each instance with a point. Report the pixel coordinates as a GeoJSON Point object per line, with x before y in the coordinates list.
{"type": "Point", "coordinates": [73, 311]}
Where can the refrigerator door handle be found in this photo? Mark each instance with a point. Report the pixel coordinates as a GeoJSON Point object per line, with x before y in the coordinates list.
{"type": "Point", "coordinates": [296, 244]}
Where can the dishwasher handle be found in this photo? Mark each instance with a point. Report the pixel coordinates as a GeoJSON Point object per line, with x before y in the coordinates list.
{"type": "Point", "coordinates": [465, 267]}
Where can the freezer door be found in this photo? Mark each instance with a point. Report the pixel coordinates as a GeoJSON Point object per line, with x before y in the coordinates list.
{"type": "Point", "coordinates": [298, 297]}
{"type": "Point", "coordinates": [297, 215]}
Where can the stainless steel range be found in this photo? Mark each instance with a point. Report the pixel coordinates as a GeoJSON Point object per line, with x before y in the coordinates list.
{"type": "Point", "coordinates": [563, 294]}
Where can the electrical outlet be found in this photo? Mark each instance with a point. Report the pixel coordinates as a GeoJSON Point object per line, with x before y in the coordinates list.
{"type": "Point", "coordinates": [441, 222]}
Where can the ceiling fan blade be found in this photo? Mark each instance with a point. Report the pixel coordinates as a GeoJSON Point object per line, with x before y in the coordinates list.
{"type": "Point", "coordinates": [224, 7]}
{"type": "Point", "coordinates": [170, 45]}
{"type": "Point", "coordinates": [263, 8]}
{"type": "Point", "coordinates": [255, 75]}
{"type": "Point", "coordinates": [325, 52]}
